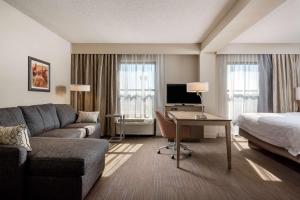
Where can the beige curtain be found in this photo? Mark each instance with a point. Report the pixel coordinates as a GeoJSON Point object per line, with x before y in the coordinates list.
{"type": "Point", "coordinates": [99, 71]}
{"type": "Point", "coordinates": [286, 78]}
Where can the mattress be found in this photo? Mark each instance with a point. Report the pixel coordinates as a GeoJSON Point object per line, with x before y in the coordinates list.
{"type": "Point", "coordinates": [279, 129]}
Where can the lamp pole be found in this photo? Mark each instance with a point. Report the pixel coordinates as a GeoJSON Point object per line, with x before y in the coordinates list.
{"type": "Point", "coordinates": [79, 89]}
{"type": "Point", "coordinates": [202, 116]}
{"type": "Point", "coordinates": [198, 88]}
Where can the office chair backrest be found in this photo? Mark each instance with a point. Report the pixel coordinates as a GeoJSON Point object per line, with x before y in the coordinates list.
{"type": "Point", "coordinates": [166, 126]}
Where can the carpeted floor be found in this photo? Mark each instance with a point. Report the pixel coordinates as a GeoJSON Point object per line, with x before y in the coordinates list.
{"type": "Point", "coordinates": [135, 171]}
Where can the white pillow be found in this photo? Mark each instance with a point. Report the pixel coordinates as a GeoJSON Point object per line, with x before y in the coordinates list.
{"type": "Point", "coordinates": [87, 117]}
{"type": "Point", "coordinates": [15, 135]}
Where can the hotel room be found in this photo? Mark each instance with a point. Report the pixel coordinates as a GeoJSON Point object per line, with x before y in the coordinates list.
{"type": "Point", "coordinates": [152, 99]}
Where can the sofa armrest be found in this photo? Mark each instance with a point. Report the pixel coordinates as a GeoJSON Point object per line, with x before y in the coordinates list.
{"type": "Point", "coordinates": [12, 165]}
{"type": "Point", "coordinates": [12, 153]}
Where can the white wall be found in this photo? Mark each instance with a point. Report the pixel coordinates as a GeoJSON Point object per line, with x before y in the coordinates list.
{"type": "Point", "coordinates": [239, 48]}
{"type": "Point", "coordinates": [20, 37]}
{"type": "Point", "coordinates": [116, 48]}
{"type": "Point", "coordinates": [208, 72]}
{"type": "Point", "coordinates": [181, 68]}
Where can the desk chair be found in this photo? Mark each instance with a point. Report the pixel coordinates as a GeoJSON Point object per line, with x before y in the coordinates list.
{"type": "Point", "coordinates": [168, 130]}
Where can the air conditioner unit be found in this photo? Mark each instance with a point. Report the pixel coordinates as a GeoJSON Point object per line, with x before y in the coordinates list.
{"type": "Point", "coordinates": [137, 121]}
{"type": "Point", "coordinates": [138, 126]}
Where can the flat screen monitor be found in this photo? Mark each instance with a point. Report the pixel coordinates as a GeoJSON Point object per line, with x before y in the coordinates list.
{"type": "Point", "coordinates": [177, 94]}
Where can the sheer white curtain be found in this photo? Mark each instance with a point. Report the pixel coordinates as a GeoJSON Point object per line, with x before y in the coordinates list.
{"type": "Point", "coordinates": [238, 85]}
{"type": "Point", "coordinates": [141, 85]}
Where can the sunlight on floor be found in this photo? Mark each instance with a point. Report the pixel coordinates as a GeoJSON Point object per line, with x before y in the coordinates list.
{"type": "Point", "coordinates": [117, 155]}
{"type": "Point", "coordinates": [240, 143]}
{"type": "Point", "coordinates": [263, 173]}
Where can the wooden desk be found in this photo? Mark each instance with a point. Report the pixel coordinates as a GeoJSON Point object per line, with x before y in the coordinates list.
{"type": "Point", "coordinates": [197, 132]}
{"type": "Point", "coordinates": [188, 118]}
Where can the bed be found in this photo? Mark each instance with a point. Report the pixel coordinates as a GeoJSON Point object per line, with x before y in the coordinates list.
{"type": "Point", "coordinates": [275, 132]}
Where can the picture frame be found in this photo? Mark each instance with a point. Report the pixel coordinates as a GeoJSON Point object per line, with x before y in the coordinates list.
{"type": "Point", "coordinates": [38, 75]}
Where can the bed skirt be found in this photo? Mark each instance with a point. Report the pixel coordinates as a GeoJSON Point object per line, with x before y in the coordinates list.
{"type": "Point", "coordinates": [267, 146]}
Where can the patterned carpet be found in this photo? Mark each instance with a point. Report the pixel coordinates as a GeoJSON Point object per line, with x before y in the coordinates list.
{"type": "Point", "coordinates": [135, 171]}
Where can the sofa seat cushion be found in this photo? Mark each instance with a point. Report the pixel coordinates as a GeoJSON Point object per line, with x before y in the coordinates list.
{"type": "Point", "coordinates": [60, 157]}
{"type": "Point", "coordinates": [90, 128]}
{"type": "Point", "coordinates": [65, 133]}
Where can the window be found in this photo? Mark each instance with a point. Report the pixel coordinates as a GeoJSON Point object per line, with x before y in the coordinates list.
{"type": "Point", "coordinates": [137, 89]}
{"type": "Point", "coordinates": [242, 88]}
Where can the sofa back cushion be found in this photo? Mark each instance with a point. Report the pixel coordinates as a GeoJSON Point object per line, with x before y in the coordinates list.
{"type": "Point", "coordinates": [40, 118]}
{"type": "Point", "coordinates": [11, 116]}
{"type": "Point", "coordinates": [66, 114]}
{"type": "Point", "coordinates": [49, 116]}
{"type": "Point", "coordinates": [33, 120]}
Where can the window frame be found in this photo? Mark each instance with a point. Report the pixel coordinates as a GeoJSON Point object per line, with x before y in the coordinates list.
{"type": "Point", "coordinates": [137, 90]}
{"type": "Point", "coordinates": [231, 99]}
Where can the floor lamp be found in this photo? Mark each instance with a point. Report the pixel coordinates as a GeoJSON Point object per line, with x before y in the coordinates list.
{"type": "Point", "coordinates": [198, 87]}
{"type": "Point", "coordinates": [79, 89]}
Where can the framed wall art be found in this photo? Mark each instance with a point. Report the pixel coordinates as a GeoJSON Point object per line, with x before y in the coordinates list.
{"type": "Point", "coordinates": [38, 75]}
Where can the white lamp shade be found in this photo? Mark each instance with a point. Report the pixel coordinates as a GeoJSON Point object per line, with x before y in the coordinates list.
{"type": "Point", "coordinates": [197, 87]}
{"type": "Point", "coordinates": [298, 93]}
{"type": "Point", "coordinates": [80, 88]}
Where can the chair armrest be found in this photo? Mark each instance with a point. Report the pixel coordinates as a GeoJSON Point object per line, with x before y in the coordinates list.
{"type": "Point", "coordinates": [170, 122]}
{"type": "Point", "coordinates": [12, 166]}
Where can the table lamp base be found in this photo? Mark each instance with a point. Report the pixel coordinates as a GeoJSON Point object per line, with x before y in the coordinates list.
{"type": "Point", "coordinates": [202, 116]}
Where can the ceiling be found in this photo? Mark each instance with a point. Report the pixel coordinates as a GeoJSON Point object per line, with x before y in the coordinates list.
{"type": "Point", "coordinates": [281, 26]}
{"type": "Point", "coordinates": [127, 21]}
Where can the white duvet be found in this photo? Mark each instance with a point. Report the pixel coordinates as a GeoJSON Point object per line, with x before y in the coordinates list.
{"type": "Point", "coordinates": [280, 129]}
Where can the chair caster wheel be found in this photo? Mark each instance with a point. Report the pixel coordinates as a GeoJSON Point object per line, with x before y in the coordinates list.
{"type": "Point", "coordinates": [173, 157]}
{"type": "Point", "coordinates": [190, 155]}
{"type": "Point", "coordinates": [158, 152]}
{"type": "Point", "coordinates": [167, 147]}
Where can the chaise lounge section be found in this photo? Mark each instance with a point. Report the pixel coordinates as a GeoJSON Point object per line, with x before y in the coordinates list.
{"type": "Point", "coordinates": [66, 158]}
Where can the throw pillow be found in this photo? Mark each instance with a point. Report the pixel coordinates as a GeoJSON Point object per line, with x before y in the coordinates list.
{"type": "Point", "coordinates": [87, 117]}
{"type": "Point", "coordinates": [15, 135]}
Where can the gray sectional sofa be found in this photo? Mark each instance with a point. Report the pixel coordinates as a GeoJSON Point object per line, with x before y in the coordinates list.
{"type": "Point", "coordinates": [66, 158]}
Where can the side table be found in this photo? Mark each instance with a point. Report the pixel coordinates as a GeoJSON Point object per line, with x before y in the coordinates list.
{"type": "Point", "coordinates": [121, 119]}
